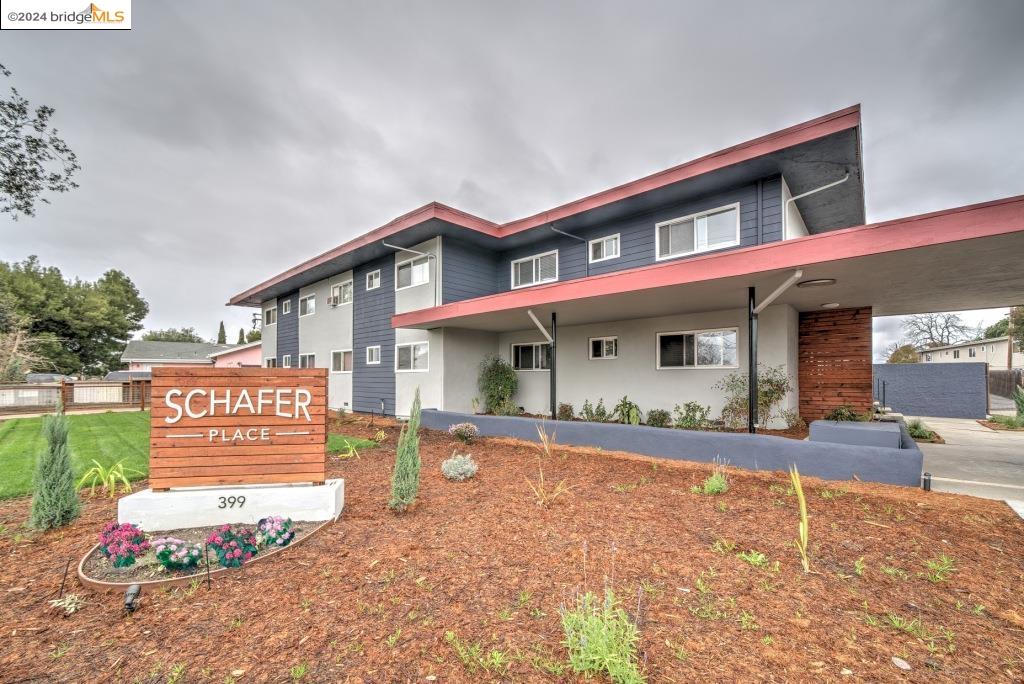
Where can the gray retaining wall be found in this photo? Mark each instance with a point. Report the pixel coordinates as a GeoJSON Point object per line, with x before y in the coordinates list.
{"type": "Point", "coordinates": [754, 452]}
{"type": "Point", "coordinates": [942, 390]}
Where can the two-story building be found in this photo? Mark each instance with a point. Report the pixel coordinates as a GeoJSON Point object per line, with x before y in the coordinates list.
{"type": "Point", "coordinates": [993, 351]}
{"type": "Point", "coordinates": [652, 289]}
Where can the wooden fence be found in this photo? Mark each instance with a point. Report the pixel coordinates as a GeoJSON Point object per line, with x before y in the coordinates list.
{"type": "Point", "coordinates": [79, 394]}
{"type": "Point", "coordinates": [1003, 382]}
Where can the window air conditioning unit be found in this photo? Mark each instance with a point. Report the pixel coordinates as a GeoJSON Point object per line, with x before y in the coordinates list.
{"type": "Point", "coordinates": [332, 301]}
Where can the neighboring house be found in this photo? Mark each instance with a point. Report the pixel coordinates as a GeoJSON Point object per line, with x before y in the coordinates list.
{"type": "Point", "coordinates": [127, 376]}
{"type": "Point", "coordinates": [241, 356]}
{"type": "Point", "coordinates": [991, 351]}
{"type": "Point", "coordinates": [142, 355]}
{"type": "Point", "coordinates": [46, 378]}
{"type": "Point", "coordinates": [653, 284]}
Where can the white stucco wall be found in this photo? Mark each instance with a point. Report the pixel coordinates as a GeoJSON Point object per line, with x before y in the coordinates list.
{"type": "Point", "coordinates": [268, 334]}
{"type": "Point", "coordinates": [326, 331]}
{"type": "Point", "coordinates": [431, 382]}
{"type": "Point", "coordinates": [463, 352]}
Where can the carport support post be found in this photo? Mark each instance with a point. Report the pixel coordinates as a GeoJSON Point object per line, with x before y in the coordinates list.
{"type": "Point", "coordinates": [551, 371]}
{"type": "Point", "coordinates": [751, 362]}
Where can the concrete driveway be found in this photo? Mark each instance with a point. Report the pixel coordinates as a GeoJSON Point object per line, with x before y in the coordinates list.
{"type": "Point", "coordinates": [976, 460]}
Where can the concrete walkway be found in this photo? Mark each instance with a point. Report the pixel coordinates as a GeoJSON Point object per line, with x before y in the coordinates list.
{"type": "Point", "coordinates": [1001, 405]}
{"type": "Point", "coordinates": [987, 463]}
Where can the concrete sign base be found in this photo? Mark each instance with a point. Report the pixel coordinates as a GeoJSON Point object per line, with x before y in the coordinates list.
{"type": "Point", "coordinates": [242, 504]}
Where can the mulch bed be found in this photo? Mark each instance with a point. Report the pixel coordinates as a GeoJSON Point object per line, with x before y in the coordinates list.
{"type": "Point", "coordinates": [992, 425]}
{"type": "Point", "coordinates": [370, 598]}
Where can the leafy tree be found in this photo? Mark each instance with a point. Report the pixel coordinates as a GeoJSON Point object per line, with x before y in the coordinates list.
{"type": "Point", "coordinates": [18, 347]}
{"type": "Point", "coordinates": [997, 329]}
{"type": "Point", "coordinates": [1002, 327]}
{"type": "Point", "coordinates": [54, 500]}
{"type": "Point", "coordinates": [222, 336]}
{"type": "Point", "coordinates": [253, 336]}
{"type": "Point", "coordinates": [405, 479]}
{"type": "Point", "coordinates": [936, 329]}
{"type": "Point", "coordinates": [33, 158]}
{"type": "Point", "coordinates": [241, 336]}
{"type": "Point", "coordinates": [498, 383]}
{"type": "Point", "coordinates": [172, 335]}
{"type": "Point", "coordinates": [76, 326]}
{"type": "Point", "coordinates": [901, 352]}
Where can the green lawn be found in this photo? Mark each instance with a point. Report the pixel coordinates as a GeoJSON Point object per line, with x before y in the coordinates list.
{"type": "Point", "coordinates": [336, 444]}
{"type": "Point", "coordinates": [106, 437]}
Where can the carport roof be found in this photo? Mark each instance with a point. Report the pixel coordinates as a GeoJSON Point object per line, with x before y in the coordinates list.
{"type": "Point", "coordinates": [964, 258]}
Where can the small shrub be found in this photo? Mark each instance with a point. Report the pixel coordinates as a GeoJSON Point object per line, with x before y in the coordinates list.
{"type": "Point", "coordinates": [233, 547]}
{"type": "Point", "coordinates": [918, 430]}
{"type": "Point", "coordinates": [1014, 423]}
{"type": "Point", "coordinates": [715, 483]}
{"type": "Point", "coordinates": [275, 532]}
{"type": "Point", "coordinates": [692, 416]}
{"type": "Point", "coordinates": [773, 384]}
{"type": "Point", "coordinates": [659, 418]}
{"type": "Point", "coordinates": [405, 479]}
{"type": "Point", "coordinates": [508, 407]}
{"type": "Point", "coordinates": [464, 432]}
{"type": "Point", "coordinates": [175, 554]}
{"type": "Point", "coordinates": [1018, 400]}
{"type": "Point", "coordinates": [54, 497]}
{"type": "Point", "coordinates": [459, 467]}
{"type": "Point", "coordinates": [753, 557]}
{"type": "Point", "coordinates": [498, 383]}
{"type": "Point", "coordinates": [628, 412]}
{"type": "Point", "coordinates": [594, 414]}
{"type": "Point", "coordinates": [122, 544]}
{"type": "Point", "coordinates": [939, 569]}
{"type": "Point", "coordinates": [544, 496]}
{"type": "Point", "coordinates": [566, 412]}
{"type": "Point", "coordinates": [601, 639]}
{"type": "Point", "coordinates": [107, 478]}
{"type": "Point", "coordinates": [793, 420]}
{"type": "Point", "coordinates": [69, 603]}
{"type": "Point", "coordinates": [843, 413]}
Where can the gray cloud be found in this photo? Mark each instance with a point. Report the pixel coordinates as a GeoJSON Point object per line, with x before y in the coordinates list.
{"type": "Point", "coordinates": [225, 142]}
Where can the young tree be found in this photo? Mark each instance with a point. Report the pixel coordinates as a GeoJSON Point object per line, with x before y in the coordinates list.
{"type": "Point", "coordinates": [172, 335]}
{"type": "Point", "coordinates": [935, 329]}
{"type": "Point", "coordinates": [901, 352]}
{"type": "Point", "coordinates": [241, 336]}
{"type": "Point", "coordinates": [33, 158]}
{"type": "Point", "coordinates": [405, 479]}
{"type": "Point", "coordinates": [54, 500]}
{"type": "Point", "coordinates": [222, 336]}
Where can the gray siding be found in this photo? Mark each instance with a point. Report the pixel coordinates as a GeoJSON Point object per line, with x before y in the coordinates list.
{"type": "Point", "coordinates": [372, 326]}
{"type": "Point", "coordinates": [939, 390]}
{"type": "Point", "coordinates": [469, 271]}
{"type": "Point", "coordinates": [288, 329]}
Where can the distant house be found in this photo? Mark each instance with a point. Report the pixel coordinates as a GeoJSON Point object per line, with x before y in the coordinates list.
{"type": "Point", "coordinates": [143, 355]}
{"type": "Point", "coordinates": [46, 378]}
{"type": "Point", "coordinates": [991, 351]}
{"type": "Point", "coordinates": [241, 356]}
{"type": "Point", "coordinates": [126, 376]}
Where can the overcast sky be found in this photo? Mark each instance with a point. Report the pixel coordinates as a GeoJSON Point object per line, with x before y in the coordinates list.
{"type": "Point", "coordinates": [225, 142]}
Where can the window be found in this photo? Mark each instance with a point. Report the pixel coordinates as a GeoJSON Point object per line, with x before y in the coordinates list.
{"type": "Point", "coordinates": [542, 268]}
{"type": "Point", "coordinates": [698, 349]}
{"type": "Point", "coordinates": [307, 360]}
{"type": "Point", "coordinates": [270, 316]}
{"type": "Point", "coordinates": [531, 357]}
{"type": "Point", "coordinates": [286, 307]}
{"type": "Point", "coordinates": [341, 361]}
{"type": "Point", "coordinates": [956, 353]}
{"type": "Point", "coordinates": [411, 357]}
{"type": "Point", "coordinates": [286, 361]}
{"type": "Point", "coordinates": [698, 232]}
{"type": "Point", "coordinates": [373, 355]}
{"type": "Point", "coordinates": [604, 347]}
{"type": "Point", "coordinates": [604, 248]}
{"type": "Point", "coordinates": [341, 293]}
{"type": "Point", "coordinates": [373, 280]}
{"type": "Point", "coordinates": [927, 357]}
{"type": "Point", "coordinates": [307, 305]}
{"type": "Point", "coordinates": [972, 352]}
{"type": "Point", "coordinates": [270, 362]}
{"type": "Point", "coordinates": [412, 273]}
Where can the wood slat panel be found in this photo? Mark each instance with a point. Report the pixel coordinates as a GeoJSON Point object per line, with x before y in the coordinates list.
{"type": "Point", "coordinates": [834, 361]}
{"type": "Point", "coordinates": [245, 469]}
{"type": "Point", "coordinates": [238, 459]}
{"type": "Point", "coordinates": [238, 421]}
{"type": "Point", "coordinates": [207, 481]}
{"type": "Point", "coordinates": [168, 443]}
{"type": "Point", "coordinates": [227, 450]}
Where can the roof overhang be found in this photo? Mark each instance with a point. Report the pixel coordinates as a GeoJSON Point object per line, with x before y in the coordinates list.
{"type": "Point", "coordinates": [128, 359]}
{"type": "Point", "coordinates": [808, 155]}
{"type": "Point", "coordinates": [236, 348]}
{"type": "Point", "coordinates": [964, 258]}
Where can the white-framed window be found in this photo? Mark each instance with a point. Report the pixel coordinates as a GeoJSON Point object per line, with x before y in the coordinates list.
{"type": "Point", "coordinates": [373, 355]}
{"type": "Point", "coordinates": [341, 293]}
{"type": "Point", "coordinates": [270, 316]}
{"type": "Point", "coordinates": [373, 280]}
{"type": "Point", "coordinates": [972, 352]}
{"type": "Point", "coordinates": [534, 270]}
{"type": "Point", "coordinates": [341, 361]}
{"type": "Point", "coordinates": [532, 356]}
{"type": "Point", "coordinates": [286, 307]}
{"type": "Point", "coordinates": [701, 232]}
{"type": "Point", "coordinates": [307, 360]}
{"type": "Point", "coordinates": [307, 305]}
{"type": "Point", "coordinates": [286, 361]}
{"type": "Point", "coordinates": [604, 248]}
{"type": "Point", "coordinates": [604, 347]}
{"type": "Point", "coordinates": [412, 357]}
{"type": "Point", "coordinates": [412, 272]}
{"type": "Point", "coordinates": [270, 362]}
{"type": "Point", "coordinates": [698, 349]}
{"type": "Point", "coordinates": [956, 353]}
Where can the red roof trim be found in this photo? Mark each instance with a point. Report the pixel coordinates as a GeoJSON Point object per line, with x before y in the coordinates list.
{"type": "Point", "coordinates": [787, 137]}
{"type": "Point", "coordinates": [952, 225]}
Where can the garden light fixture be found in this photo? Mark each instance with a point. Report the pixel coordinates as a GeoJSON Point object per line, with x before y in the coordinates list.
{"type": "Point", "coordinates": [131, 598]}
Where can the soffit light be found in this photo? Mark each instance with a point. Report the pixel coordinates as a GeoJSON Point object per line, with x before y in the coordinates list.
{"type": "Point", "coordinates": [830, 305]}
{"type": "Point", "coordinates": [817, 282]}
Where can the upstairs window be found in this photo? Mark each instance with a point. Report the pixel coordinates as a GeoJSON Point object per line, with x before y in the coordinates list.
{"type": "Point", "coordinates": [270, 316]}
{"type": "Point", "coordinates": [341, 294]}
{"type": "Point", "coordinates": [373, 280]}
{"type": "Point", "coordinates": [341, 361]}
{"type": "Point", "coordinates": [286, 307]}
{"type": "Point", "coordinates": [373, 355]}
{"type": "Point", "coordinates": [307, 360]}
{"type": "Point", "coordinates": [412, 273]}
{"type": "Point", "coordinates": [604, 347]}
{"type": "Point", "coordinates": [956, 353]}
{"type": "Point", "coordinates": [307, 305]}
{"type": "Point", "coordinates": [534, 356]}
{"type": "Point", "coordinates": [697, 233]}
{"type": "Point", "coordinates": [698, 349]}
{"type": "Point", "coordinates": [534, 270]}
{"type": "Point", "coordinates": [604, 248]}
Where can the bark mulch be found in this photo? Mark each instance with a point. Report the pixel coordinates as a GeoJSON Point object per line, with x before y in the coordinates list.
{"type": "Point", "coordinates": [371, 597]}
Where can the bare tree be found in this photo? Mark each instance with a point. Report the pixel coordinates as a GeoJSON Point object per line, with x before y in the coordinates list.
{"type": "Point", "coordinates": [936, 329]}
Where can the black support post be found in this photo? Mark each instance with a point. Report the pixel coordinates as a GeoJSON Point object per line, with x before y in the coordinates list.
{"type": "Point", "coordinates": [752, 362]}
{"type": "Point", "coordinates": [554, 348]}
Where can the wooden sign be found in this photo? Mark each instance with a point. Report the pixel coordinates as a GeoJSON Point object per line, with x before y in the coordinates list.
{"type": "Point", "coordinates": [230, 426]}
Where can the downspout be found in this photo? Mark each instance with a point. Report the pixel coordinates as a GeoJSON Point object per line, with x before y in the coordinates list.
{"type": "Point", "coordinates": [574, 237]}
{"type": "Point", "coordinates": [785, 209]}
{"type": "Point", "coordinates": [551, 371]}
{"type": "Point", "coordinates": [751, 361]}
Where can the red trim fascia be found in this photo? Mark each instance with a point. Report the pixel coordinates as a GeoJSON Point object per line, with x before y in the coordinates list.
{"type": "Point", "coordinates": [787, 137]}
{"type": "Point", "coordinates": [951, 225]}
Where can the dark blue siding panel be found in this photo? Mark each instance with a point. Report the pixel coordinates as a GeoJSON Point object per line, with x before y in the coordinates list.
{"type": "Point", "coordinates": [939, 390]}
{"type": "Point", "coordinates": [288, 329]}
{"type": "Point", "coordinates": [372, 326]}
{"type": "Point", "coordinates": [467, 271]}
{"type": "Point", "coordinates": [771, 209]}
